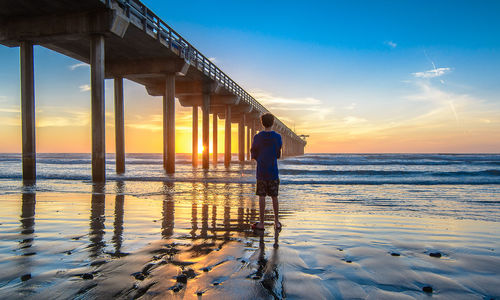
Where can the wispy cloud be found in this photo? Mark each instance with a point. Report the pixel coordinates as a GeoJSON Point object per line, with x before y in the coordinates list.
{"type": "Point", "coordinates": [302, 110]}
{"type": "Point", "coordinates": [351, 106]}
{"type": "Point", "coordinates": [213, 59]}
{"type": "Point", "coordinates": [436, 72]}
{"type": "Point", "coordinates": [391, 44]}
{"type": "Point", "coordinates": [55, 117]}
{"type": "Point", "coordinates": [10, 110]}
{"type": "Point", "coordinates": [84, 88]}
{"type": "Point", "coordinates": [79, 65]}
{"type": "Point", "coordinates": [354, 120]}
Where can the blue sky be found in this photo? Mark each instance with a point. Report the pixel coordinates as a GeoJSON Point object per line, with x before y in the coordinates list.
{"type": "Point", "coordinates": [358, 76]}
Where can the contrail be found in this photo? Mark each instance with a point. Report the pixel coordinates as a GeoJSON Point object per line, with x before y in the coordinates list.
{"type": "Point", "coordinates": [433, 65]}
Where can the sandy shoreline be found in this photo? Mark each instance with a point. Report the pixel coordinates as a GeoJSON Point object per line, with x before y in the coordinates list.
{"type": "Point", "coordinates": [195, 241]}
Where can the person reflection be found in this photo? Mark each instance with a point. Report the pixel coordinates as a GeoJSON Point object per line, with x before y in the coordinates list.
{"type": "Point", "coordinates": [97, 219]}
{"type": "Point", "coordinates": [268, 271]}
{"type": "Point", "coordinates": [118, 224]}
{"type": "Point", "coordinates": [167, 225]}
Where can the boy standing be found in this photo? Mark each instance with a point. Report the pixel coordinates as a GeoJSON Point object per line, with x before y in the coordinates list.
{"type": "Point", "coordinates": [266, 149]}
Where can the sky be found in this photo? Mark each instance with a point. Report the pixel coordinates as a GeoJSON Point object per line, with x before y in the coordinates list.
{"type": "Point", "coordinates": [356, 76]}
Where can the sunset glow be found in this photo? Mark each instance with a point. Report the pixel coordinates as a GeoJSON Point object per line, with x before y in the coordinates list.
{"type": "Point", "coordinates": [369, 87]}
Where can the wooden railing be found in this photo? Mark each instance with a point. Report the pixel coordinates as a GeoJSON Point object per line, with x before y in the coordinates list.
{"type": "Point", "coordinates": [141, 15]}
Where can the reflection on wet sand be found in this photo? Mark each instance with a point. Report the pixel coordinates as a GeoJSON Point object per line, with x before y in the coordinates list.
{"type": "Point", "coordinates": [205, 242]}
{"type": "Point", "coordinates": [118, 223]}
{"type": "Point", "coordinates": [97, 219]}
{"type": "Point", "coordinates": [27, 234]}
{"type": "Point", "coordinates": [167, 224]}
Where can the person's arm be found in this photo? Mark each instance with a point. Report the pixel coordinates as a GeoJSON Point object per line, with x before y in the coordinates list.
{"type": "Point", "coordinates": [254, 150]}
{"type": "Point", "coordinates": [280, 145]}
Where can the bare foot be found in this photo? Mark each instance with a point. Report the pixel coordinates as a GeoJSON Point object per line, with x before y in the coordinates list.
{"type": "Point", "coordinates": [277, 225]}
{"type": "Point", "coordinates": [258, 226]}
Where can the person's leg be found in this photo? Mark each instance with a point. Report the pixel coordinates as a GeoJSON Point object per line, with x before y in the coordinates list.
{"type": "Point", "coordinates": [262, 210]}
{"type": "Point", "coordinates": [277, 223]}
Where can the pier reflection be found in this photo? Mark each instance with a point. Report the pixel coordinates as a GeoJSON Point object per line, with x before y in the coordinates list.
{"type": "Point", "coordinates": [117, 239]}
{"type": "Point", "coordinates": [168, 212]}
{"type": "Point", "coordinates": [97, 218]}
{"type": "Point", "coordinates": [27, 220]}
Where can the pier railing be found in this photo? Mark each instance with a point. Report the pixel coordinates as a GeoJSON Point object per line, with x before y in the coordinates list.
{"type": "Point", "coordinates": [142, 16]}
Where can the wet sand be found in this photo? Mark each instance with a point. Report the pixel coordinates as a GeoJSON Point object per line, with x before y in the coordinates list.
{"type": "Point", "coordinates": [193, 240]}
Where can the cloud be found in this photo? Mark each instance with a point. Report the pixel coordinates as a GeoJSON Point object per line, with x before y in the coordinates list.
{"type": "Point", "coordinates": [10, 110]}
{"type": "Point", "coordinates": [84, 88]}
{"type": "Point", "coordinates": [391, 44]}
{"type": "Point", "coordinates": [79, 65]}
{"type": "Point", "coordinates": [432, 73]}
{"type": "Point", "coordinates": [351, 106]}
{"type": "Point", "coordinates": [212, 59]}
{"type": "Point", "coordinates": [354, 120]}
{"type": "Point", "coordinates": [63, 118]}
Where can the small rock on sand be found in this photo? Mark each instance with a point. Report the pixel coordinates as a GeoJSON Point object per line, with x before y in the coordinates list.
{"type": "Point", "coordinates": [435, 254]}
{"type": "Point", "coordinates": [87, 276]}
{"type": "Point", "coordinates": [182, 278]}
{"type": "Point", "coordinates": [395, 254]}
{"type": "Point", "coordinates": [190, 273]}
{"type": "Point", "coordinates": [427, 289]}
{"type": "Point", "coordinates": [138, 275]}
{"type": "Point", "coordinates": [26, 277]}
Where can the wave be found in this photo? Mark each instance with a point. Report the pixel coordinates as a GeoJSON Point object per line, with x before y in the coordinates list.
{"type": "Point", "coordinates": [492, 172]}
{"type": "Point", "coordinates": [250, 180]}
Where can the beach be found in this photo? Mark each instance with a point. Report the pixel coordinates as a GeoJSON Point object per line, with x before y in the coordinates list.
{"type": "Point", "coordinates": [355, 227]}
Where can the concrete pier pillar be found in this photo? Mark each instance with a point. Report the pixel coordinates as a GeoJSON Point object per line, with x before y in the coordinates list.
{"type": "Point", "coordinates": [97, 103]}
{"type": "Point", "coordinates": [119, 126]}
{"type": "Point", "coordinates": [227, 139]}
{"type": "Point", "coordinates": [215, 141]}
{"type": "Point", "coordinates": [206, 130]}
{"type": "Point", "coordinates": [249, 142]}
{"type": "Point", "coordinates": [195, 137]}
{"type": "Point", "coordinates": [169, 124]}
{"type": "Point", "coordinates": [241, 139]}
{"type": "Point", "coordinates": [28, 112]}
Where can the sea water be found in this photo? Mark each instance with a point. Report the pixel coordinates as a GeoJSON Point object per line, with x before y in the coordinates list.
{"type": "Point", "coordinates": [344, 217]}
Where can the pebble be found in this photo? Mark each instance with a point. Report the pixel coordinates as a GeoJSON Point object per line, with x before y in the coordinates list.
{"type": "Point", "coordinates": [199, 293]}
{"type": "Point", "coordinates": [216, 283]}
{"type": "Point", "coordinates": [26, 277]}
{"type": "Point", "coordinates": [147, 267]}
{"type": "Point", "coordinates": [348, 261]}
{"type": "Point", "coordinates": [190, 273]}
{"type": "Point", "coordinates": [98, 262]}
{"type": "Point", "coordinates": [206, 269]}
{"type": "Point", "coordinates": [139, 276]}
{"type": "Point", "coordinates": [87, 276]}
{"type": "Point", "coordinates": [176, 289]}
{"type": "Point", "coordinates": [427, 289]}
{"type": "Point", "coordinates": [182, 278]}
{"type": "Point", "coordinates": [435, 254]}
{"type": "Point", "coordinates": [395, 254]}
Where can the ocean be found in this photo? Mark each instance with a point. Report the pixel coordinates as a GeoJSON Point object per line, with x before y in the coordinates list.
{"type": "Point", "coordinates": [356, 226]}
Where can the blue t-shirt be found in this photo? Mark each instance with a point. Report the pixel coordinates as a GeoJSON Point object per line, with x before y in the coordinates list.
{"type": "Point", "coordinates": [266, 149]}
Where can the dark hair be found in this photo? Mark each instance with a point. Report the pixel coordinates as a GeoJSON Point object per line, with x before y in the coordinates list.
{"type": "Point", "coordinates": [267, 120]}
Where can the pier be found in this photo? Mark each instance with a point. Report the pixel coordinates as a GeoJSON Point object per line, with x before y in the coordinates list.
{"type": "Point", "coordinates": [123, 39]}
